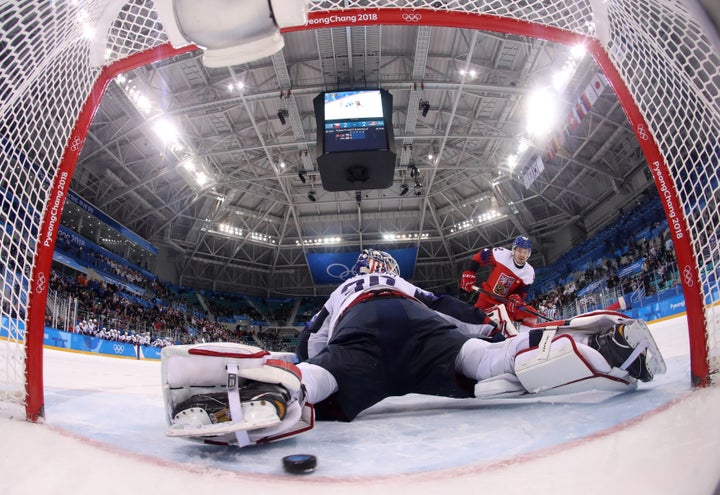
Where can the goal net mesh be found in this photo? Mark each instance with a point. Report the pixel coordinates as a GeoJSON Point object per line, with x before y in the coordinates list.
{"type": "Point", "coordinates": [50, 53]}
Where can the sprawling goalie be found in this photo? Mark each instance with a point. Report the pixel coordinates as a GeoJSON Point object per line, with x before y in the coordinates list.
{"type": "Point", "coordinates": [379, 336]}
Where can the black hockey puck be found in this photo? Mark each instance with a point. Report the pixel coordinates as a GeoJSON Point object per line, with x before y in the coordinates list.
{"type": "Point", "coordinates": [300, 463]}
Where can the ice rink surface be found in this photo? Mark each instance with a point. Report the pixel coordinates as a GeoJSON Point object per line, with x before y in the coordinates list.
{"type": "Point", "coordinates": [104, 433]}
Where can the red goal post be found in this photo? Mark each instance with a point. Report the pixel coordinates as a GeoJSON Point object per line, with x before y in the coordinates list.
{"type": "Point", "coordinates": [660, 58]}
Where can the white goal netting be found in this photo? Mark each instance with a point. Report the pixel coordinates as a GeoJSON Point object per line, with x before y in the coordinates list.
{"type": "Point", "coordinates": [55, 55]}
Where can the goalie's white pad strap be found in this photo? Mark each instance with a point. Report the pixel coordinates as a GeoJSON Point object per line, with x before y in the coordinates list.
{"type": "Point", "coordinates": [545, 345]}
{"type": "Point", "coordinates": [236, 414]}
{"type": "Point", "coordinates": [563, 365]}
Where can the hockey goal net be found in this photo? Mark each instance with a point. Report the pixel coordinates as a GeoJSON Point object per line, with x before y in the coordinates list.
{"type": "Point", "coordinates": [57, 58]}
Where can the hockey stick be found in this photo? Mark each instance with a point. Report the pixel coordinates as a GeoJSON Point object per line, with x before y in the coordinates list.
{"type": "Point", "coordinates": [506, 300]}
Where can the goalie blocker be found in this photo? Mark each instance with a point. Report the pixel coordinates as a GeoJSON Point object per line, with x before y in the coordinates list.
{"type": "Point", "coordinates": [232, 394]}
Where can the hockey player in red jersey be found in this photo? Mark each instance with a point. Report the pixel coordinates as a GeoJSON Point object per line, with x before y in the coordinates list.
{"type": "Point", "coordinates": [509, 279]}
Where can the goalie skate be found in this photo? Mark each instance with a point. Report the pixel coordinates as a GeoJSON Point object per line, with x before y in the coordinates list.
{"type": "Point", "coordinates": [206, 415]}
{"type": "Point", "coordinates": [631, 347]}
{"type": "Point", "coordinates": [234, 394]}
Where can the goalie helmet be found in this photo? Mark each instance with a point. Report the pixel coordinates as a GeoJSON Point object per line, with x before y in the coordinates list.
{"type": "Point", "coordinates": [374, 261]}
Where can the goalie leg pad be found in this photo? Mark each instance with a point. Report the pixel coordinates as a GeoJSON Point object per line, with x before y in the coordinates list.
{"type": "Point", "coordinates": [232, 393]}
{"type": "Point", "coordinates": [560, 365]}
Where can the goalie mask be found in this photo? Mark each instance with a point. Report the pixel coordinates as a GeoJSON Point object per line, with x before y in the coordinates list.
{"type": "Point", "coordinates": [374, 261]}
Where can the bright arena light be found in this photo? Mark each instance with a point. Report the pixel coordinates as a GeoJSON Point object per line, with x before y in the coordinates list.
{"type": "Point", "coordinates": [541, 112]}
{"type": "Point", "coordinates": [201, 178]}
{"type": "Point", "coordinates": [578, 51]}
{"type": "Point", "coordinates": [166, 130]}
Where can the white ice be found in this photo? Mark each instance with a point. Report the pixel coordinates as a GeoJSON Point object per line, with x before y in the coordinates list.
{"type": "Point", "coordinates": [104, 433]}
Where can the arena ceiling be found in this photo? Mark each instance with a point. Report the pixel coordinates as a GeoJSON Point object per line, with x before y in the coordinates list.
{"type": "Point", "coordinates": [477, 85]}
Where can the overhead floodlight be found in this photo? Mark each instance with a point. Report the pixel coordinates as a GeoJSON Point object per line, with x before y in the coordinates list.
{"type": "Point", "coordinates": [541, 112]}
{"type": "Point", "coordinates": [311, 196]}
{"type": "Point", "coordinates": [282, 114]}
{"type": "Point", "coordinates": [424, 108]}
{"type": "Point", "coordinates": [230, 32]}
{"type": "Point", "coordinates": [404, 189]}
{"type": "Point", "coordinates": [201, 178]}
{"type": "Point", "coordinates": [578, 51]}
{"type": "Point", "coordinates": [166, 130]}
{"type": "Point", "coordinates": [301, 175]}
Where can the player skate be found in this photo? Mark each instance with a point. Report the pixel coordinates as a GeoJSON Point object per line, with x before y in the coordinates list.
{"type": "Point", "coordinates": [233, 394]}
{"type": "Point", "coordinates": [619, 351]}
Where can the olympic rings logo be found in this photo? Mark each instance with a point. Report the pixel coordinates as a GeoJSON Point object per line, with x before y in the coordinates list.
{"type": "Point", "coordinates": [339, 271]}
{"type": "Point", "coordinates": [411, 17]}
{"type": "Point", "coordinates": [118, 348]}
{"type": "Point", "coordinates": [75, 145]}
{"type": "Point", "coordinates": [688, 276]}
{"type": "Point", "coordinates": [642, 132]}
{"type": "Point", "coordinates": [41, 281]}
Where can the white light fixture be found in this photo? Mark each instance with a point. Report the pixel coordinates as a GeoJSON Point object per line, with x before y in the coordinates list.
{"type": "Point", "coordinates": [320, 240]}
{"type": "Point", "coordinates": [578, 51]}
{"type": "Point", "coordinates": [404, 237]}
{"type": "Point", "coordinates": [562, 77]}
{"type": "Point", "coordinates": [230, 32]}
{"type": "Point", "coordinates": [201, 178]}
{"type": "Point", "coordinates": [166, 131]}
{"type": "Point", "coordinates": [136, 95]}
{"type": "Point", "coordinates": [230, 229]}
{"type": "Point", "coordinates": [541, 112]}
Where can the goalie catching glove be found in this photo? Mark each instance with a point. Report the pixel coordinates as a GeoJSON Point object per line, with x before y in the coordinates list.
{"type": "Point", "coordinates": [232, 393]}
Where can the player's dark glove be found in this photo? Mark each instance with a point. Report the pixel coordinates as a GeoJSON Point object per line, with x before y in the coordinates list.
{"type": "Point", "coordinates": [467, 280]}
{"type": "Point", "coordinates": [514, 303]}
